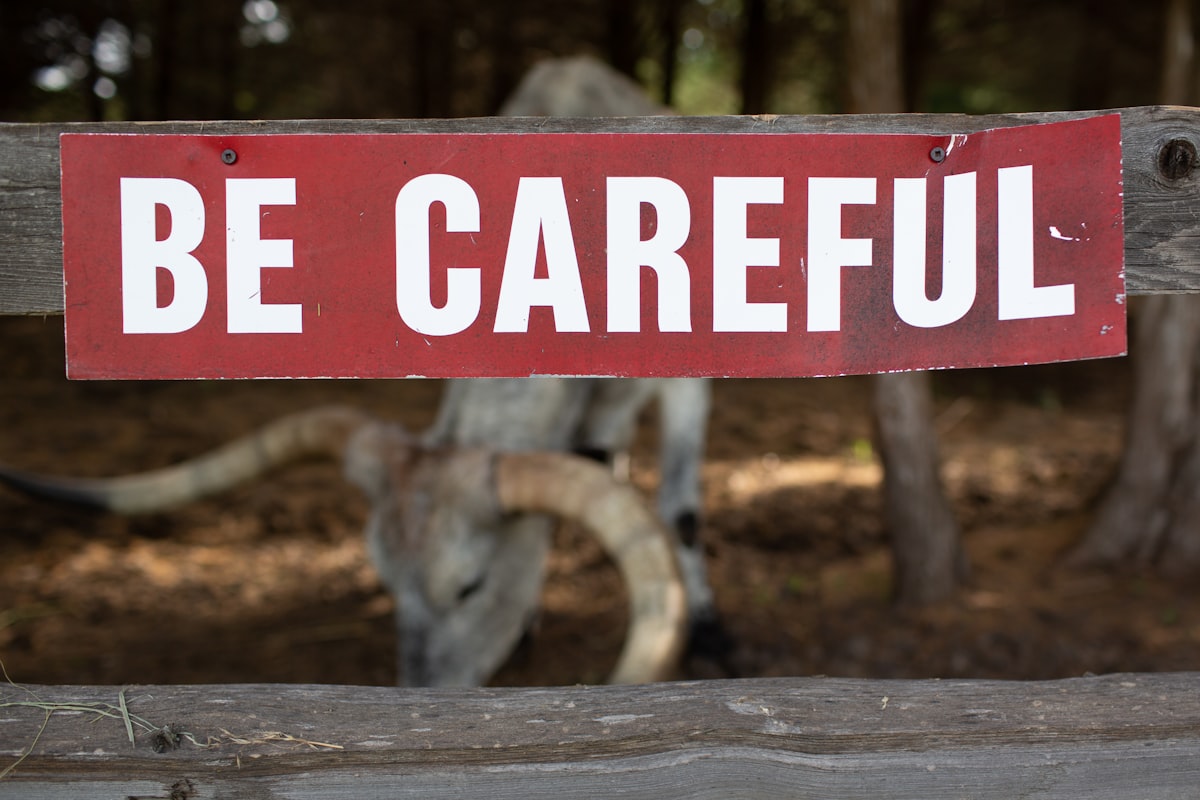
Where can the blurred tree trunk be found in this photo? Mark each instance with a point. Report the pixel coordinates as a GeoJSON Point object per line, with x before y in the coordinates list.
{"type": "Point", "coordinates": [166, 59]}
{"type": "Point", "coordinates": [505, 69]}
{"type": "Point", "coordinates": [668, 31]}
{"type": "Point", "coordinates": [874, 63]}
{"type": "Point", "coordinates": [1151, 513]}
{"type": "Point", "coordinates": [915, 48]}
{"type": "Point", "coordinates": [756, 58]}
{"type": "Point", "coordinates": [228, 48]}
{"type": "Point", "coordinates": [622, 37]}
{"type": "Point", "coordinates": [433, 57]}
{"type": "Point", "coordinates": [929, 561]}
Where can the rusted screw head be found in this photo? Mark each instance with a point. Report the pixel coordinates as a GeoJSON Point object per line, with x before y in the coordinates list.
{"type": "Point", "coordinates": [228, 156]}
{"type": "Point", "coordinates": [938, 154]}
{"type": "Point", "coordinates": [1176, 159]}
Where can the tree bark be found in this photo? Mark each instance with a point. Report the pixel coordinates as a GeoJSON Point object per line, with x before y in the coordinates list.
{"type": "Point", "coordinates": [929, 563]}
{"type": "Point", "coordinates": [432, 54]}
{"type": "Point", "coordinates": [756, 58]}
{"type": "Point", "coordinates": [1147, 515]}
{"type": "Point", "coordinates": [1179, 58]}
{"type": "Point", "coordinates": [668, 27]}
{"type": "Point", "coordinates": [623, 47]}
{"type": "Point", "coordinates": [874, 63]}
{"type": "Point", "coordinates": [1150, 515]}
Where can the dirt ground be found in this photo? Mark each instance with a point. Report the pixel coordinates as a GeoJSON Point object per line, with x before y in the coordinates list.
{"type": "Point", "coordinates": [270, 583]}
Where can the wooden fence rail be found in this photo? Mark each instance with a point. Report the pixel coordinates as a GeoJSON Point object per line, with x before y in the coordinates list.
{"type": "Point", "coordinates": [1122, 737]}
{"type": "Point", "coordinates": [1160, 145]}
{"type": "Point", "coordinates": [1126, 737]}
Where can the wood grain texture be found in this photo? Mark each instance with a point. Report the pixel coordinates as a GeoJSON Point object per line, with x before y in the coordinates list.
{"type": "Point", "coordinates": [1118, 736]}
{"type": "Point", "coordinates": [1162, 203]}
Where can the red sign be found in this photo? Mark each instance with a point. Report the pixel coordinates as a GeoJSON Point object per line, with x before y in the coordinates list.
{"type": "Point", "coordinates": [512, 254]}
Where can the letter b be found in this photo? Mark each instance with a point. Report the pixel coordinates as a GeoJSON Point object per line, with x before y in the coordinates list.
{"type": "Point", "coordinates": [142, 254]}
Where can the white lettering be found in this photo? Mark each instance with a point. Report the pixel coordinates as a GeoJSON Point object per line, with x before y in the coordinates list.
{"type": "Point", "coordinates": [734, 252]}
{"type": "Point", "coordinates": [628, 253]}
{"type": "Point", "coordinates": [413, 300]}
{"type": "Point", "coordinates": [540, 215]}
{"type": "Point", "coordinates": [909, 292]}
{"type": "Point", "coordinates": [247, 254]}
{"type": "Point", "coordinates": [828, 252]}
{"type": "Point", "coordinates": [143, 254]}
{"type": "Point", "coordinates": [1019, 298]}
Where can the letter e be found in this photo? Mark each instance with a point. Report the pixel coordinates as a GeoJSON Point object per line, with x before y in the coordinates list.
{"type": "Point", "coordinates": [734, 251]}
{"type": "Point", "coordinates": [247, 253]}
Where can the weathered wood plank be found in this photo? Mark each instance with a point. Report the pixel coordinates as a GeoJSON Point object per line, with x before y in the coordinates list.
{"type": "Point", "coordinates": [1119, 736]}
{"type": "Point", "coordinates": [1162, 199]}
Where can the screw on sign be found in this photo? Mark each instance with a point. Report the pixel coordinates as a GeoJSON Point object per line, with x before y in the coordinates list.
{"type": "Point", "coordinates": [593, 254]}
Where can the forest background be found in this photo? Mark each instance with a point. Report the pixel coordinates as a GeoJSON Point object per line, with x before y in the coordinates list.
{"type": "Point", "coordinates": [799, 552]}
{"type": "Point", "coordinates": [228, 59]}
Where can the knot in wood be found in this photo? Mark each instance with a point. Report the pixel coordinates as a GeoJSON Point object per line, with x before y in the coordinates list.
{"type": "Point", "coordinates": [1176, 159]}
